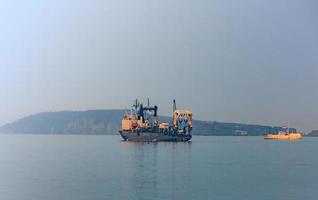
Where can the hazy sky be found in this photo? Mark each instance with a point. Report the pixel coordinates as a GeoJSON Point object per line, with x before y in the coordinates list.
{"type": "Point", "coordinates": [251, 61]}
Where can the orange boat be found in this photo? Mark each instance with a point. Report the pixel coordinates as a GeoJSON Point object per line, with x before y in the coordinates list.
{"type": "Point", "coordinates": [283, 136]}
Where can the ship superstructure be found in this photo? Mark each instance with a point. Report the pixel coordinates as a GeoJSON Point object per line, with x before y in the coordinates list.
{"type": "Point", "coordinates": [284, 135]}
{"type": "Point", "coordinates": [142, 125]}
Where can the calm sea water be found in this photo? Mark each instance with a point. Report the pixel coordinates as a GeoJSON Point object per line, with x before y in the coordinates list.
{"type": "Point", "coordinates": [44, 167]}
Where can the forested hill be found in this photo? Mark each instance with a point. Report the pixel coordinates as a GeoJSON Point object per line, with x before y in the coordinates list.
{"type": "Point", "coordinates": [108, 122]}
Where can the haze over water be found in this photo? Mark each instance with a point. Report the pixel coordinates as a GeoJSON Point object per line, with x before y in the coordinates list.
{"type": "Point", "coordinates": [248, 61]}
{"type": "Point", "coordinates": [50, 167]}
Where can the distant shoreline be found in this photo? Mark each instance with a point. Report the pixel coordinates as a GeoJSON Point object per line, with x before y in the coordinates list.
{"type": "Point", "coordinates": [107, 122]}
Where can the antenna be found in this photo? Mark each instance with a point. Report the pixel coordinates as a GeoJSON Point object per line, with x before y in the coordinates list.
{"type": "Point", "coordinates": [288, 127]}
{"type": "Point", "coordinates": [136, 104]}
{"type": "Point", "coordinates": [174, 105]}
{"type": "Point", "coordinates": [148, 103]}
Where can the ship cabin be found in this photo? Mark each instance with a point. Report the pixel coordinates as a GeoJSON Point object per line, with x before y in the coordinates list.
{"type": "Point", "coordinates": [182, 120]}
{"type": "Point", "coordinates": [145, 119]}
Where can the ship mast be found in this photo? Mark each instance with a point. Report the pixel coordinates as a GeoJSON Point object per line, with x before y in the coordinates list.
{"type": "Point", "coordinates": [135, 106]}
{"type": "Point", "coordinates": [288, 127]}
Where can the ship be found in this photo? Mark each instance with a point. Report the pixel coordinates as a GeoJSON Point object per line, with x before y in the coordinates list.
{"type": "Point", "coordinates": [284, 135]}
{"type": "Point", "coordinates": [142, 125]}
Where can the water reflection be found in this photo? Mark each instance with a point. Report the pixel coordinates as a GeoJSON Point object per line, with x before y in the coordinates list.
{"type": "Point", "coordinates": [150, 164]}
{"type": "Point", "coordinates": [102, 167]}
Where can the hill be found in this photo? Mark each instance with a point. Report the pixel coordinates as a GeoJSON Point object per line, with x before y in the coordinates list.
{"type": "Point", "coordinates": [107, 122]}
{"type": "Point", "coordinates": [313, 133]}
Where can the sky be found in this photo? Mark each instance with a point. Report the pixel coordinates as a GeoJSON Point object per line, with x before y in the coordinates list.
{"type": "Point", "coordinates": [248, 61]}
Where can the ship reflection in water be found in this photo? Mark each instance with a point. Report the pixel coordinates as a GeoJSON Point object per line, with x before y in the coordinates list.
{"type": "Point", "coordinates": [148, 161]}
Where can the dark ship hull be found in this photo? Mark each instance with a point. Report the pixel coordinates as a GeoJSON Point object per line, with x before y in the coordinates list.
{"type": "Point", "coordinates": [154, 137]}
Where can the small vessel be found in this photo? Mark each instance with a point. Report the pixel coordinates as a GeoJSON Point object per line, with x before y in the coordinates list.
{"type": "Point", "coordinates": [142, 125]}
{"type": "Point", "coordinates": [284, 135]}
